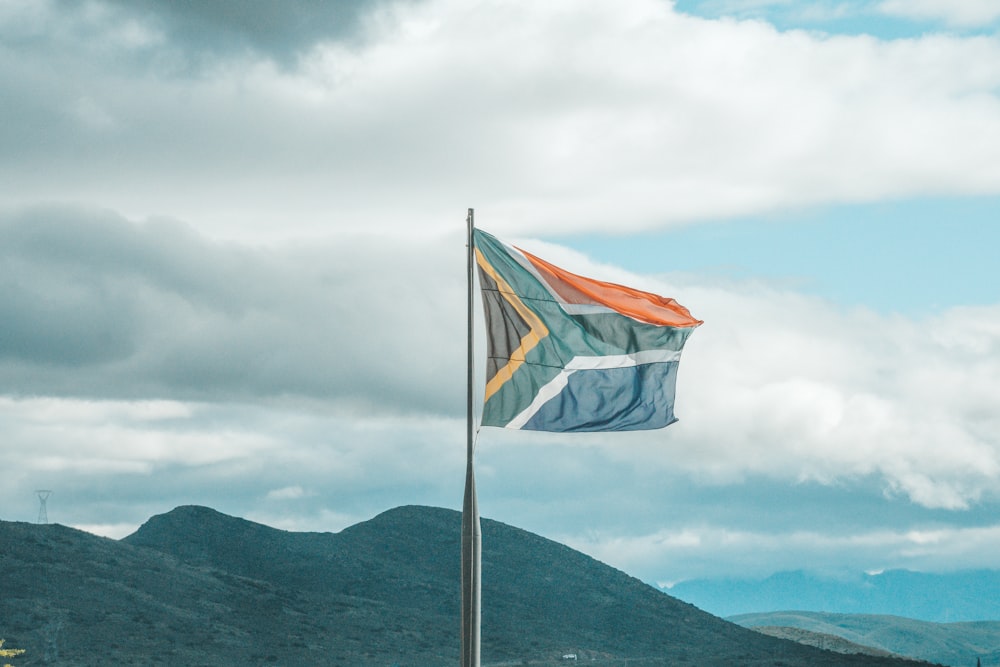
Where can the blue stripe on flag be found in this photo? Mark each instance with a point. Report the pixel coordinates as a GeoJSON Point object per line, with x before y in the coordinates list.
{"type": "Point", "coordinates": [614, 399]}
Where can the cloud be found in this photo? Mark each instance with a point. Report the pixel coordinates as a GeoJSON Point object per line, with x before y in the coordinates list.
{"type": "Point", "coordinates": [845, 394]}
{"type": "Point", "coordinates": [795, 388]}
{"type": "Point", "coordinates": [148, 366]}
{"type": "Point", "coordinates": [303, 327]}
{"type": "Point", "coordinates": [100, 307]}
{"type": "Point", "coordinates": [957, 13]}
{"type": "Point", "coordinates": [703, 551]}
{"type": "Point", "coordinates": [115, 531]}
{"type": "Point", "coordinates": [202, 32]}
{"type": "Point", "coordinates": [559, 117]}
{"type": "Point", "coordinates": [775, 384]}
{"type": "Point", "coordinates": [286, 493]}
{"type": "Point", "coordinates": [115, 463]}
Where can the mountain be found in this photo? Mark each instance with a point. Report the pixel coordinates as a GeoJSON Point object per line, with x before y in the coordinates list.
{"type": "Point", "coordinates": [956, 644]}
{"type": "Point", "coordinates": [196, 587]}
{"type": "Point", "coordinates": [819, 639]}
{"type": "Point", "coordinates": [971, 595]}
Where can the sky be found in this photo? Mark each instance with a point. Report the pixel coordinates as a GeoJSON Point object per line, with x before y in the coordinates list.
{"type": "Point", "coordinates": [232, 266]}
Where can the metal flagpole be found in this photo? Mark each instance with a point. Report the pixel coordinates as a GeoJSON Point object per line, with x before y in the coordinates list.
{"type": "Point", "coordinates": [472, 542]}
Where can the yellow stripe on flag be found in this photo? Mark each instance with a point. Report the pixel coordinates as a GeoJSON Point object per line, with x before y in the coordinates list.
{"type": "Point", "coordinates": [536, 329]}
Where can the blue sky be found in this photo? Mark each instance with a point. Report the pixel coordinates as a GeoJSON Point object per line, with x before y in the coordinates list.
{"type": "Point", "coordinates": [885, 20]}
{"type": "Point", "coordinates": [232, 266]}
{"type": "Point", "coordinates": [916, 257]}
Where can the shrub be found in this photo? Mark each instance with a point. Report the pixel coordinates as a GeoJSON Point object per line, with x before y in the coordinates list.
{"type": "Point", "coordinates": [9, 652]}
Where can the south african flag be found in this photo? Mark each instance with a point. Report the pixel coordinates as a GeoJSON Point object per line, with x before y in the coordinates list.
{"type": "Point", "coordinates": [568, 353]}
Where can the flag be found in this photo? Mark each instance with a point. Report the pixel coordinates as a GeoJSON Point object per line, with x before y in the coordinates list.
{"type": "Point", "coordinates": [569, 353]}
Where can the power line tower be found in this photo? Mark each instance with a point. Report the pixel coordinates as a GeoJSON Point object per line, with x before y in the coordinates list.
{"type": "Point", "coordinates": [43, 513]}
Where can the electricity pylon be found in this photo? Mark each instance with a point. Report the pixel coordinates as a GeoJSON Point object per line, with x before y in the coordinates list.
{"type": "Point", "coordinates": [43, 514]}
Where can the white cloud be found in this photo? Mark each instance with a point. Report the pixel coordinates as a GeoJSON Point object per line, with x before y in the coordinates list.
{"type": "Point", "coordinates": [41, 410]}
{"type": "Point", "coordinates": [694, 552]}
{"type": "Point", "coordinates": [958, 13]}
{"type": "Point", "coordinates": [775, 385]}
{"type": "Point", "coordinates": [183, 370]}
{"type": "Point", "coordinates": [91, 115]}
{"type": "Point", "coordinates": [798, 389]}
{"type": "Point", "coordinates": [323, 521]}
{"type": "Point", "coordinates": [56, 436]}
{"type": "Point", "coordinates": [99, 306]}
{"type": "Point", "coordinates": [286, 493]}
{"type": "Point", "coordinates": [115, 531]}
{"type": "Point", "coordinates": [790, 387]}
{"type": "Point", "coordinates": [544, 116]}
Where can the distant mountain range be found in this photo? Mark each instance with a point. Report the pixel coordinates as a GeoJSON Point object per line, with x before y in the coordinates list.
{"type": "Point", "coordinates": [955, 644]}
{"type": "Point", "coordinates": [972, 595]}
{"type": "Point", "coordinates": [196, 587]}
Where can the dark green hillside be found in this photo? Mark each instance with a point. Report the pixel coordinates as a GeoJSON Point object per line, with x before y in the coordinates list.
{"type": "Point", "coordinates": [70, 598]}
{"type": "Point", "coordinates": [195, 587]}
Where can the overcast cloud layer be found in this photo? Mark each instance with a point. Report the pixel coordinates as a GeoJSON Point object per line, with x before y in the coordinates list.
{"type": "Point", "coordinates": [556, 116]}
{"type": "Point", "coordinates": [232, 268]}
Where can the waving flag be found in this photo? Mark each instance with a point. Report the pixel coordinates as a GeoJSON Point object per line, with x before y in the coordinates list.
{"type": "Point", "coordinates": [568, 353]}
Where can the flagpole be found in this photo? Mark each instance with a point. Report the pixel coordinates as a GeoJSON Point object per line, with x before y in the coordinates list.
{"type": "Point", "coordinates": [471, 535]}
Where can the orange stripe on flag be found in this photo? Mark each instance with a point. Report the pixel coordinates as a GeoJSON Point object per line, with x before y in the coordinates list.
{"type": "Point", "coordinates": [639, 305]}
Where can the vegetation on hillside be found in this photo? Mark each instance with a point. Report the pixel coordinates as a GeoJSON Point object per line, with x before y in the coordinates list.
{"type": "Point", "coordinates": [195, 586]}
{"type": "Point", "coordinates": [9, 652]}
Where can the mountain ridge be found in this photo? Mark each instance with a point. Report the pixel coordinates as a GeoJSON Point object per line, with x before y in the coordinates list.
{"type": "Point", "coordinates": [958, 644]}
{"type": "Point", "coordinates": [967, 595]}
{"type": "Point", "coordinates": [196, 587]}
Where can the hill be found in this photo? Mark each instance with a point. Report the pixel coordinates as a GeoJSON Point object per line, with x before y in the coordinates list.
{"type": "Point", "coordinates": [971, 595]}
{"type": "Point", "coordinates": [956, 644]}
{"type": "Point", "coordinates": [196, 587]}
{"type": "Point", "coordinates": [818, 639]}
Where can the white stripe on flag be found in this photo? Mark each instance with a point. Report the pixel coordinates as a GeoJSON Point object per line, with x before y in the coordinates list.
{"type": "Point", "coordinates": [623, 360]}
{"type": "Point", "coordinates": [569, 308]}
